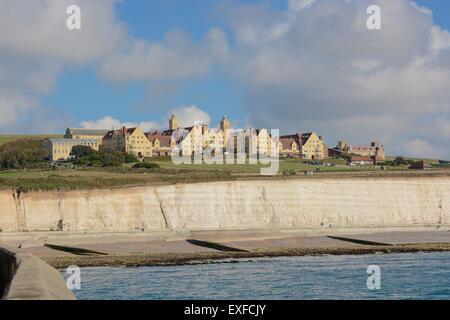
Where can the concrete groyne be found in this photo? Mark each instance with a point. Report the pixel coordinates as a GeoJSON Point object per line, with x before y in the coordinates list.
{"type": "Point", "coordinates": [8, 267]}
{"type": "Point", "coordinates": [258, 204]}
{"type": "Point", "coordinates": [26, 277]}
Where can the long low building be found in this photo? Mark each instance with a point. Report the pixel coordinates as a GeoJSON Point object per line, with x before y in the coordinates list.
{"type": "Point", "coordinates": [60, 149]}
{"type": "Point", "coordinates": [76, 133]}
{"type": "Point", "coordinates": [375, 149]}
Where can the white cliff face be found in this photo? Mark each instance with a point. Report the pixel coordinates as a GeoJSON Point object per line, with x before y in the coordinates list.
{"type": "Point", "coordinates": [258, 204]}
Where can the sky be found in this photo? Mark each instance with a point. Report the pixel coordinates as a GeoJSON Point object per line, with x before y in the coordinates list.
{"type": "Point", "coordinates": [293, 65]}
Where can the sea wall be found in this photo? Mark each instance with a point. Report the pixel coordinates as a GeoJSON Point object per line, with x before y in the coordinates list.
{"type": "Point", "coordinates": [257, 204]}
{"type": "Point", "coordinates": [26, 277]}
{"type": "Point", "coordinates": [8, 266]}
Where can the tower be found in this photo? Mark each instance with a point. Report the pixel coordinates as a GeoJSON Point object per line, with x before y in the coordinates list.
{"type": "Point", "coordinates": [343, 146]}
{"type": "Point", "coordinates": [225, 126]}
{"type": "Point", "coordinates": [224, 123]}
{"type": "Point", "coordinates": [173, 122]}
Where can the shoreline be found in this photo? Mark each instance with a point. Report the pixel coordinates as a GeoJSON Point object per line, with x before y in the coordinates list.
{"type": "Point", "coordinates": [179, 259]}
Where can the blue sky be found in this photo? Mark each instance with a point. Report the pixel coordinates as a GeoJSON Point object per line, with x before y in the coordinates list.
{"type": "Point", "coordinates": [94, 98]}
{"type": "Point", "coordinates": [152, 20]}
{"type": "Point", "coordinates": [262, 63]}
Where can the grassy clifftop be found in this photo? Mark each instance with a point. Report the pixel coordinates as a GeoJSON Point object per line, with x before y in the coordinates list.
{"type": "Point", "coordinates": [106, 178]}
{"type": "Point", "coordinates": [9, 138]}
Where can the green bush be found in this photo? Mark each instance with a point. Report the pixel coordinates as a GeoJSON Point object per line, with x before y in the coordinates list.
{"type": "Point", "coordinates": [129, 158]}
{"type": "Point", "coordinates": [102, 159]}
{"type": "Point", "coordinates": [24, 153]}
{"type": "Point", "coordinates": [400, 161]}
{"type": "Point", "coordinates": [83, 151]}
{"type": "Point", "coordinates": [146, 165]}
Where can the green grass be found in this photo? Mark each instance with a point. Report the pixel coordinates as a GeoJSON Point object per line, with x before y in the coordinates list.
{"type": "Point", "coordinates": [66, 178]}
{"type": "Point", "coordinates": [390, 158]}
{"type": "Point", "coordinates": [9, 138]}
{"type": "Point", "coordinates": [100, 178]}
{"type": "Point", "coordinates": [285, 164]}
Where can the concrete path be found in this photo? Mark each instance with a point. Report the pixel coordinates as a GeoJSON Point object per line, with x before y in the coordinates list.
{"type": "Point", "coordinates": [418, 237]}
{"type": "Point", "coordinates": [137, 243]}
{"type": "Point", "coordinates": [291, 242]}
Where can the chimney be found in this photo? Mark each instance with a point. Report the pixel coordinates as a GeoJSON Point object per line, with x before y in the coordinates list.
{"type": "Point", "coordinates": [173, 122]}
{"type": "Point", "coordinates": [124, 130]}
{"type": "Point", "coordinates": [204, 128]}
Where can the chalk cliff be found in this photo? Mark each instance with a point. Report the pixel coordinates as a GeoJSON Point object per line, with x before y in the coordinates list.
{"type": "Point", "coordinates": [258, 204]}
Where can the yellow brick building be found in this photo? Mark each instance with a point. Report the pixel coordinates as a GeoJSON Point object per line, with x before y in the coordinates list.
{"type": "Point", "coordinates": [75, 133]}
{"type": "Point", "coordinates": [375, 149]}
{"type": "Point", "coordinates": [258, 142]}
{"type": "Point", "coordinates": [162, 145]}
{"type": "Point", "coordinates": [60, 149]}
{"type": "Point", "coordinates": [289, 147]}
{"type": "Point", "coordinates": [313, 146]}
{"type": "Point", "coordinates": [129, 140]}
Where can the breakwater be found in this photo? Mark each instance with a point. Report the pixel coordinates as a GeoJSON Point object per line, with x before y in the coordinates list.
{"type": "Point", "coordinates": [24, 276]}
{"type": "Point", "coordinates": [257, 204]}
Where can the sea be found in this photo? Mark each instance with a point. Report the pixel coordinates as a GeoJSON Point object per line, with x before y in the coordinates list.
{"type": "Point", "coordinates": [330, 277]}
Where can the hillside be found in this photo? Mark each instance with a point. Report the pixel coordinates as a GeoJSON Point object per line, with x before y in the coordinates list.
{"type": "Point", "coordinates": [8, 138]}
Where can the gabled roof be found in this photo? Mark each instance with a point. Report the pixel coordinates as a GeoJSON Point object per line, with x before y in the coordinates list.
{"type": "Point", "coordinates": [305, 137]}
{"type": "Point", "coordinates": [130, 131]}
{"type": "Point", "coordinates": [164, 140]}
{"type": "Point", "coordinates": [62, 140]}
{"type": "Point", "coordinates": [123, 131]}
{"type": "Point", "coordinates": [296, 137]}
{"type": "Point", "coordinates": [287, 143]}
{"type": "Point", "coordinates": [151, 136]}
{"type": "Point", "coordinates": [87, 132]}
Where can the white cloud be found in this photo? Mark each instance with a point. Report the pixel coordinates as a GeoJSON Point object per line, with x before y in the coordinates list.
{"type": "Point", "coordinates": [36, 46]}
{"type": "Point", "coordinates": [187, 116]}
{"type": "Point", "coordinates": [176, 57]}
{"type": "Point", "coordinates": [109, 122]}
{"type": "Point", "coordinates": [297, 5]}
{"type": "Point", "coordinates": [440, 39]}
{"type": "Point", "coordinates": [12, 107]}
{"type": "Point", "coordinates": [37, 30]}
{"type": "Point", "coordinates": [327, 72]}
{"type": "Point", "coordinates": [422, 149]}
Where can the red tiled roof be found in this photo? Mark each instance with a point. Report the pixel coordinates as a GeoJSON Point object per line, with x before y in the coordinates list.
{"type": "Point", "coordinates": [361, 158]}
{"type": "Point", "coordinates": [128, 131]}
{"type": "Point", "coordinates": [164, 140]}
{"type": "Point", "coordinates": [287, 143]}
{"type": "Point", "coordinates": [295, 136]}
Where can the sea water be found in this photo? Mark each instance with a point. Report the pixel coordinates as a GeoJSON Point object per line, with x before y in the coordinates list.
{"type": "Point", "coordinates": [401, 276]}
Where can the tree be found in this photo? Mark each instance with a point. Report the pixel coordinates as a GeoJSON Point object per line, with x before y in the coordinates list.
{"type": "Point", "coordinates": [21, 154]}
{"type": "Point", "coordinates": [399, 161]}
{"type": "Point", "coordinates": [146, 165]}
{"type": "Point", "coordinates": [82, 151]}
{"type": "Point", "coordinates": [130, 158]}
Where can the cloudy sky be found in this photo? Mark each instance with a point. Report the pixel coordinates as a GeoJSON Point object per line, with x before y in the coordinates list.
{"type": "Point", "coordinates": [296, 65]}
